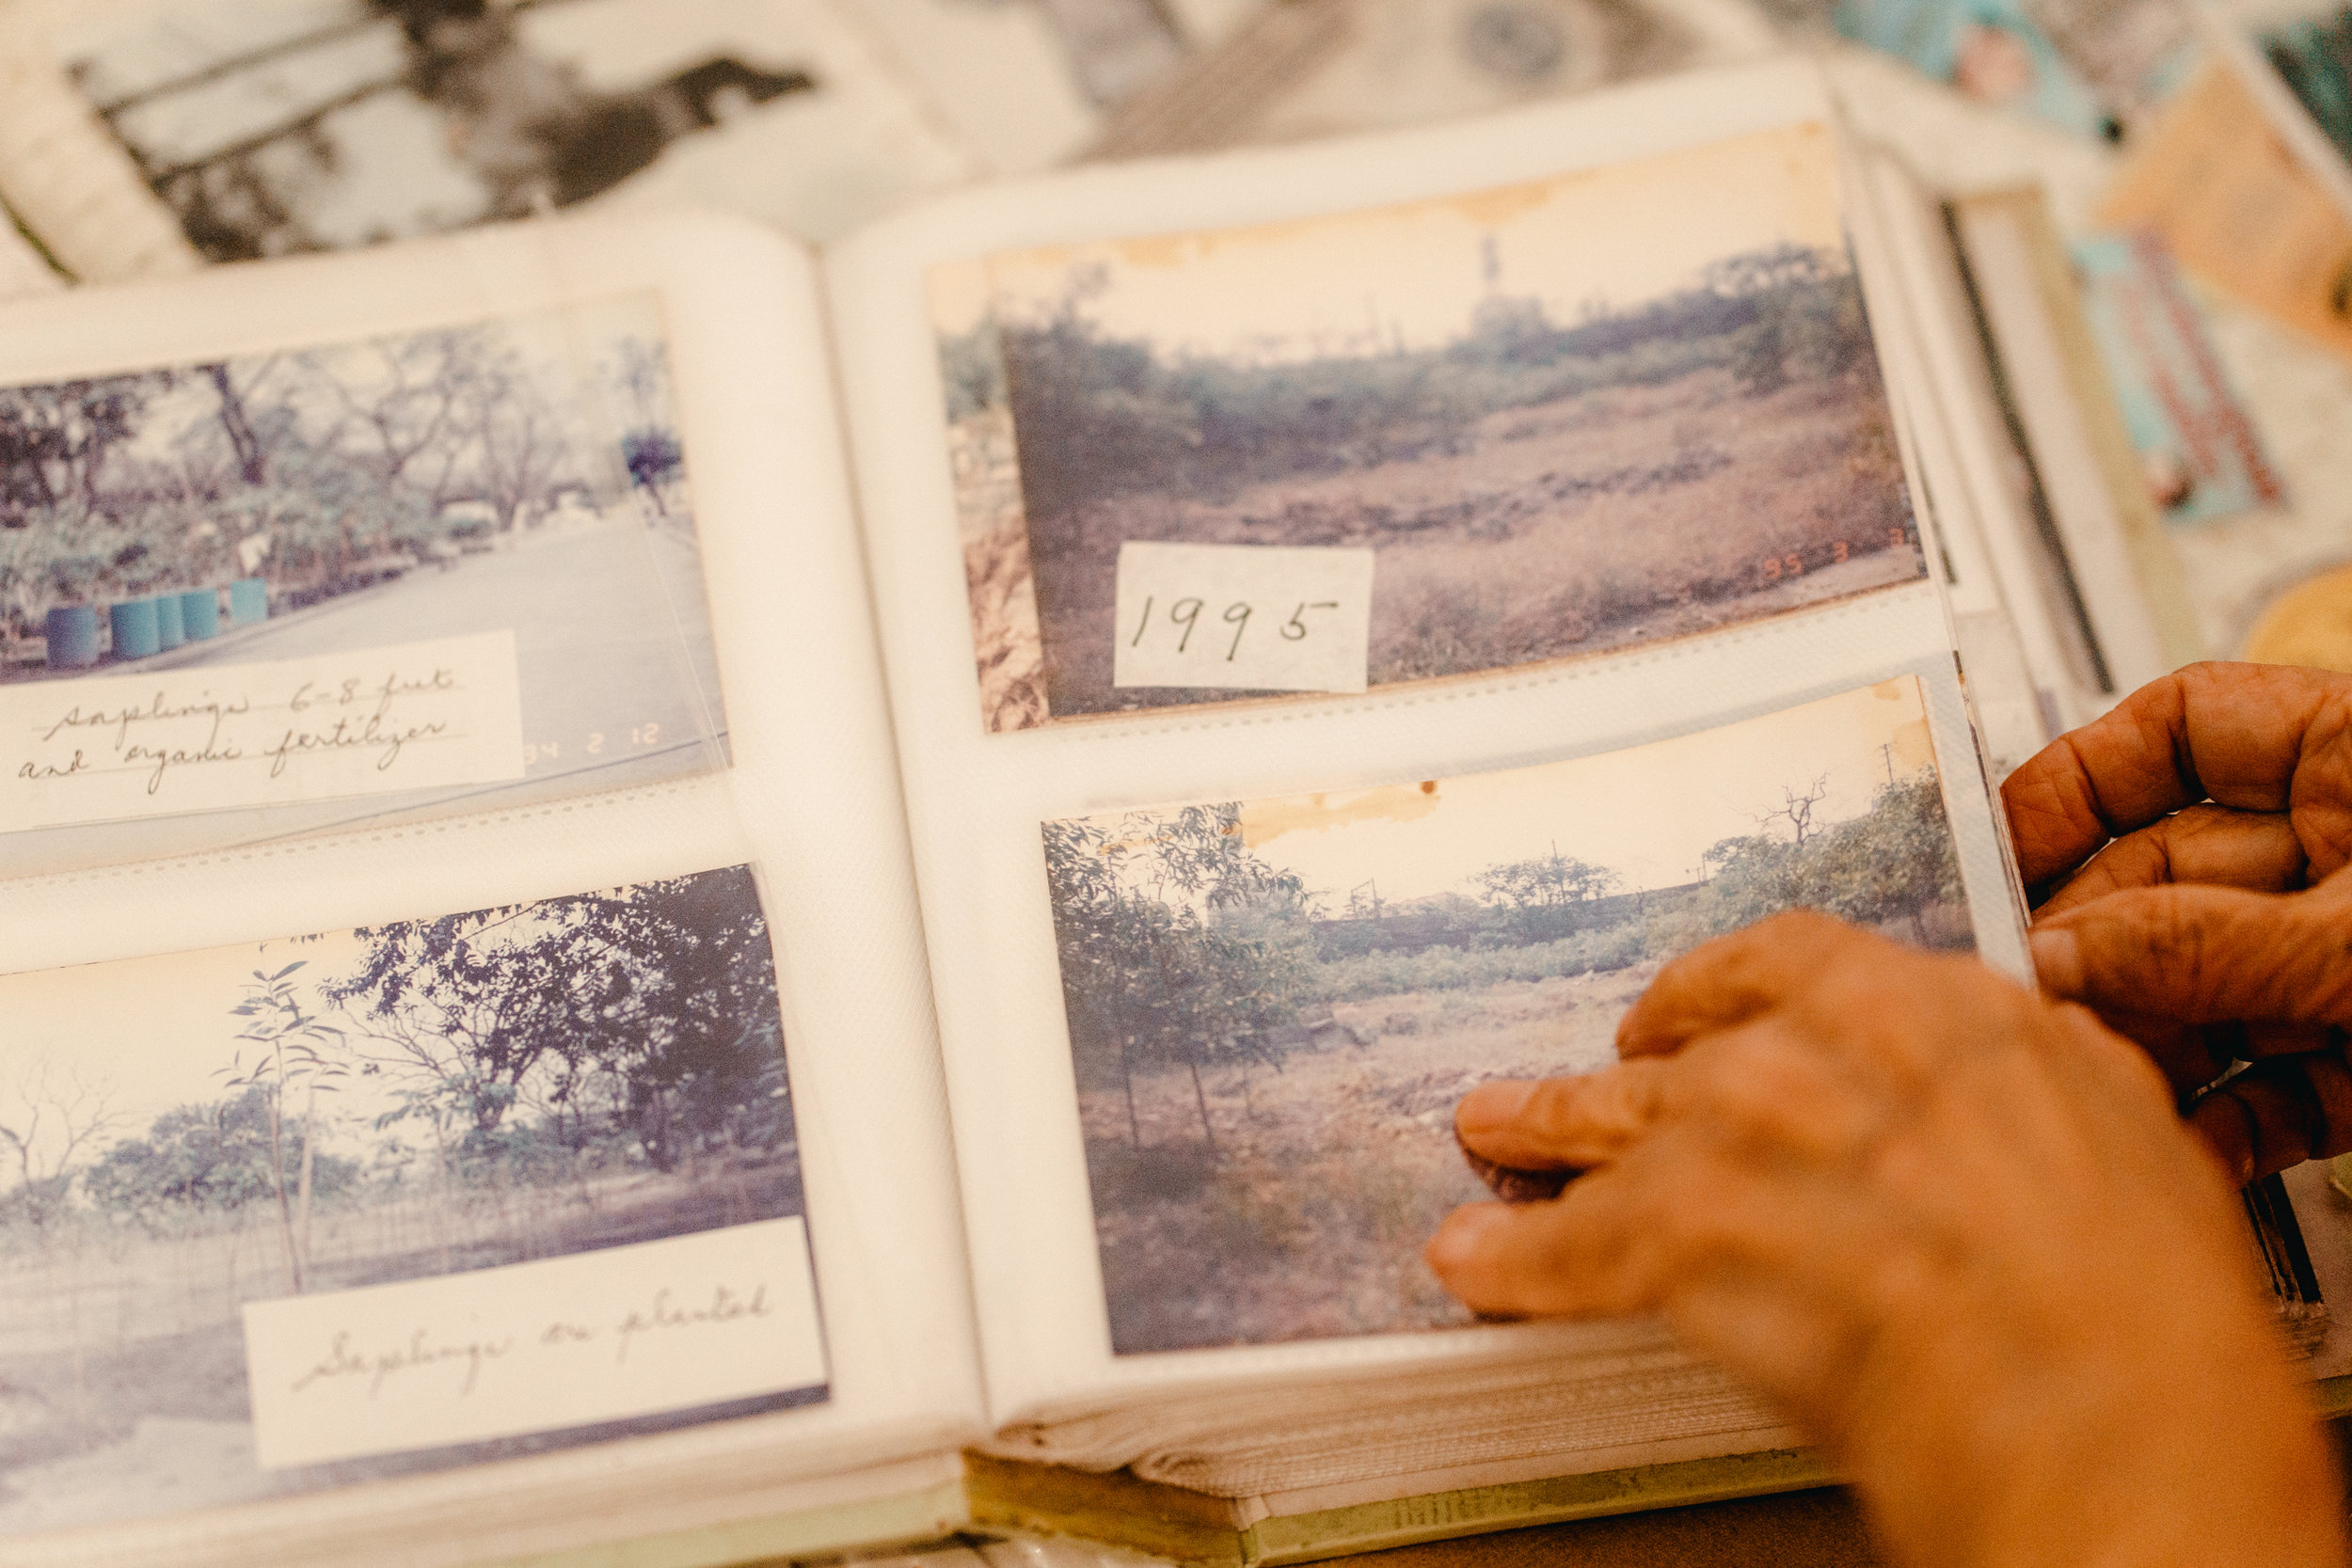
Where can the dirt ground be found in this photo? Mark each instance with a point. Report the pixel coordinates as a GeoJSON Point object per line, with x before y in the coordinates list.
{"type": "Point", "coordinates": [1616, 516]}
{"type": "Point", "coordinates": [1307, 1218]}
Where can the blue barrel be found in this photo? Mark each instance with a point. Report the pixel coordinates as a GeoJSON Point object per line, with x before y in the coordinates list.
{"type": "Point", "coordinates": [135, 630]}
{"type": "Point", "coordinates": [72, 632]}
{"type": "Point", "coordinates": [248, 601]}
{"type": "Point", "coordinates": [200, 613]}
{"type": "Point", "coordinates": [171, 626]}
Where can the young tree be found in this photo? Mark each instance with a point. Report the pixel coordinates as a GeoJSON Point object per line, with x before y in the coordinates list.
{"type": "Point", "coordinates": [291, 1050]}
{"type": "Point", "coordinates": [1160, 958]}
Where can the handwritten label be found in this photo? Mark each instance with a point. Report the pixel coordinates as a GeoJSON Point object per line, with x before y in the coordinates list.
{"type": "Point", "coordinates": [535, 1346]}
{"type": "Point", "coordinates": [1248, 617]}
{"type": "Point", "coordinates": [419, 716]}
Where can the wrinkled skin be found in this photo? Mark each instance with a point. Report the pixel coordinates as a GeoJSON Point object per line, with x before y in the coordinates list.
{"type": "Point", "coordinates": [2224, 929]}
{"type": "Point", "coordinates": [1957, 1228]}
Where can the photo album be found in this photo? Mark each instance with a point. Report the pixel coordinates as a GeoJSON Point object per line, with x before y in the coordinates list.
{"type": "Point", "coordinates": [670, 895]}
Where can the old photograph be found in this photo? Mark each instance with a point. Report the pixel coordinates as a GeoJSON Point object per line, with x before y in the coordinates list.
{"type": "Point", "coordinates": [298, 125]}
{"type": "Point", "coordinates": [522, 476]}
{"type": "Point", "coordinates": [1274, 1005]}
{"type": "Point", "coordinates": [1632, 403]}
{"type": "Point", "coordinates": [183, 1135]}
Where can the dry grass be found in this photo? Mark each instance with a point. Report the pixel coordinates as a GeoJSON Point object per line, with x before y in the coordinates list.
{"type": "Point", "coordinates": [1308, 1218]}
{"type": "Point", "coordinates": [1005, 641]}
{"type": "Point", "coordinates": [1616, 516]}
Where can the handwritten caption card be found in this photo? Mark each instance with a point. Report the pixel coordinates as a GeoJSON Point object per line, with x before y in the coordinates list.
{"type": "Point", "coordinates": [631, 1331]}
{"type": "Point", "coordinates": [416, 715]}
{"type": "Point", "coordinates": [1248, 617]}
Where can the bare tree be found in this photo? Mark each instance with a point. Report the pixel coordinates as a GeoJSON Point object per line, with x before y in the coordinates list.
{"type": "Point", "coordinates": [52, 1117]}
{"type": "Point", "coordinates": [251, 440]}
{"type": "Point", "coordinates": [1797, 809]}
{"type": "Point", "coordinates": [522, 449]}
{"type": "Point", "coordinates": [430, 387]}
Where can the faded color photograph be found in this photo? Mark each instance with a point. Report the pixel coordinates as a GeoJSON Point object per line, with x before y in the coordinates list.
{"type": "Point", "coordinates": [525, 474]}
{"type": "Point", "coordinates": [181, 1135]}
{"type": "Point", "coordinates": [1274, 1005]}
{"type": "Point", "coordinates": [1628, 405]}
{"type": "Point", "coordinates": [297, 125]}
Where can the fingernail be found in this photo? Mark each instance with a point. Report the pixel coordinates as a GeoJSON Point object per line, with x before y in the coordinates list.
{"type": "Point", "coordinates": [2058, 959]}
{"type": "Point", "coordinates": [1492, 1105]}
{"type": "Point", "coordinates": [1464, 1236]}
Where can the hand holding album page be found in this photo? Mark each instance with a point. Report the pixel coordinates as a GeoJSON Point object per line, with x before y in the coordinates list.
{"type": "Point", "coordinates": [1652, 650]}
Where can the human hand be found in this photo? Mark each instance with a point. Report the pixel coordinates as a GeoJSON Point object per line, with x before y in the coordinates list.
{"type": "Point", "coordinates": [1954, 1228]}
{"type": "Point", "coordinates": [2217, 923]}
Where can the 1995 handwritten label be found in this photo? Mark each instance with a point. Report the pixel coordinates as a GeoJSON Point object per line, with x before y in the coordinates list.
{"type": "Point", "coordinates": [1247, 617]}
{"type": "Point", "coordinates": [535, 1346]}
{"type": "Point", "coordinates": [419, 716]}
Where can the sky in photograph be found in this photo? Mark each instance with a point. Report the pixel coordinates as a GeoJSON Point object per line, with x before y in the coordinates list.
{"type": "Point", "coordinates": [156, 1031]}
{"type": "Point", "coordinates": [573, 353]}
{"type": "Point", "coordinates": [1646, 813]}
{"type": "Point", "coordinates": [1617, 235]}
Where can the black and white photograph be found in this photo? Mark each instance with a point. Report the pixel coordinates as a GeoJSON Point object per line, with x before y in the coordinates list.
{"type": "Point", "coordinates": [1274, 1005]}
{"type": "Point", "coordinates": [299, 125]}
{"type": "Point", "coordinates": [183, 1135]}
{"type": "Point", "coordinates": [1610, 408]}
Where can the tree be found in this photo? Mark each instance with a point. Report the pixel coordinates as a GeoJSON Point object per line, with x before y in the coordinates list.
{"type": "Point", "coordinates": [1172, 937]}
{"type": "Point", "coordinates": [50, 1116]}
{"type": "Point", "coordinates": [1796, 809]}
{"type": "Point", "coordinates": [250, 439]}
{"type": "Point", "coordinates": [1896, 861]}
{"type": "Point", "coordinates": [1531, 895]}
{"type": "Point", "coordinates": [651, 1010]}
{"type": "Point", "coordinates": [417, 405]}
{"type": "Point", "coordinates": [55, 439]}
{"type": "Point", "coordinates": [202, 1161]}
{"type": "Point", "coordinates": [521, 447]}
{"type": "Point", "coordinates": [291, 1047]}
{"type": "Point", "coordinates": [1808, 315]}
{"type": "Point", "coordinates": [653, 458]}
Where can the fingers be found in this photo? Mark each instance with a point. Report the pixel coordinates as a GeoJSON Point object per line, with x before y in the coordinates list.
{"type": "Point", "coordinates": [2238, 732]}
{"type": "Point", "coordinates": [2257, 851]}
{"type": "Point", "coordinates": [1620, 1241]}
{"type": "Point", "coordinates": [1737, 978]}
{"type": "Point", "coordinates": [2280, 1113]}
{"type": "Point", "coordinates": [1762, 1084]}
{"type": "Point", "coordinates": [2204, 955]}
{"type": "Point", "coordinates": [1628, 1233]}
{"type": "Point", "coordinates": [1561, 1123]}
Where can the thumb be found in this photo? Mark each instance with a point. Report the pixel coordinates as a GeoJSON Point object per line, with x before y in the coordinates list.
{"type": "Point", "coordinates": [2200, 954]}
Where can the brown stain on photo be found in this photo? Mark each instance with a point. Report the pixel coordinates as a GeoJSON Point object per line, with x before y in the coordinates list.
{"type": "Point", "coordinates": [1263, 821]}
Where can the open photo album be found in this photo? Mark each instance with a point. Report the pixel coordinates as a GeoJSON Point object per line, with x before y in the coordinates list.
{"type": "Point", "coordinates": [668, 896]}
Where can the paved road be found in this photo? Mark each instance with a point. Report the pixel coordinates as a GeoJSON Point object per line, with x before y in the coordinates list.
{"type": "Point", "coordinates": [595, 632]}
{"type": "Point", "coordinates": [610, 695]}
